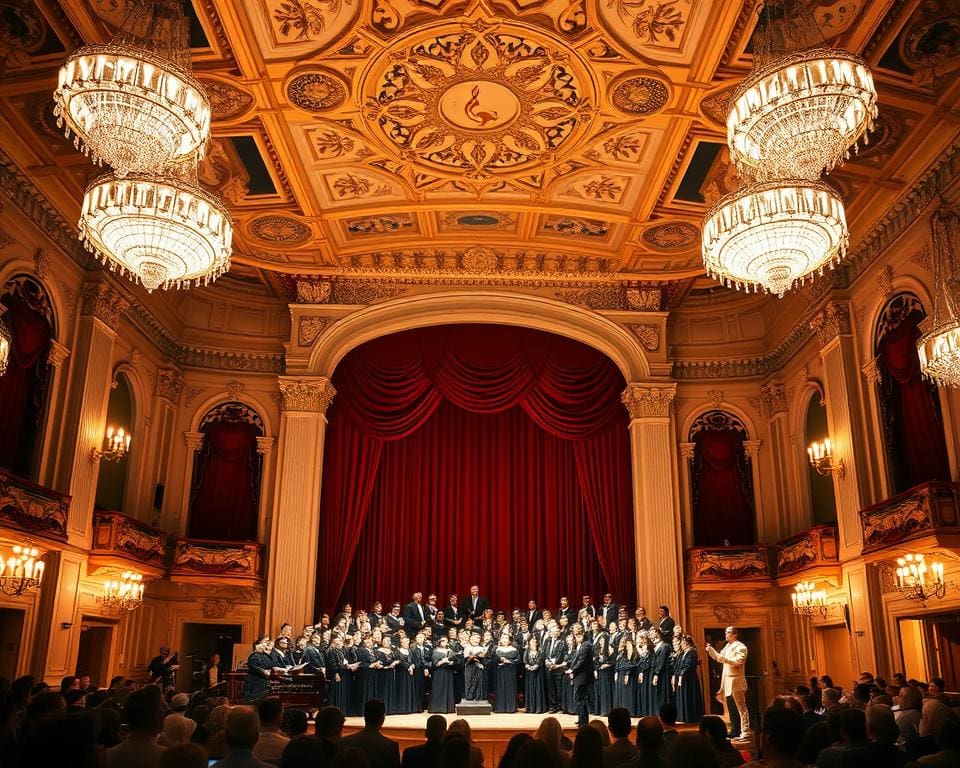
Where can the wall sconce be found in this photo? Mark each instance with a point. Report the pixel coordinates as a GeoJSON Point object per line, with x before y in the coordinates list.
{"type": "Point", "coordinates": [918, 581]}
{"type": "Point", "coordinates": [807, 599]}
{"type": "Point", "coordinates": [116, 443]}
{"type": "Point", "coordinates": [821, 458]}
{"type": "Point", "coordinates": [123, 594]}
{"type": "Point", "coordinates": [6, 340]}
{"type": "Point", "coordinates": [21, 569]}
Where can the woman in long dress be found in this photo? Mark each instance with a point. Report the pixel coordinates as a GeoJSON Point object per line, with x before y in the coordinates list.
{"type": "Point", "coordinates": [624, 677]}
{"type": "Point", "coordinates": [505, 677]}
{"type": "Point", "coordinates": [659, 673]}
{"type": "Point", "coordinates": [404, 688]}
{"type": "Point", "coordinates": [338, 681]}
{"type": "Point", "coordinates": [474, 674]}
{"type": "Point", "coordinates": [644, 665]}
{"type": "Point", "coordinates": [420, 658]}
{"type": "Point", "coordinates": [687, 691]}
{"type": "Point", "coordinates": [387, 662]}
{"type": "Point", "coordinates": [442, 698]}
{"type": "Point", "coordinates": [535, 698]}
{"type": "Point", "coordinates": [490, 660]}
{"type": "Point", "coordinates": [365, 687]}
{"type": "Point", "coordinates": [603, 662]}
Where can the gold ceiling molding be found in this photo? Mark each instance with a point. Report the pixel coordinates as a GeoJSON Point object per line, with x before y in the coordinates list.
{"type": "Point", "coordinates": [480, 261]}
{"type": "Point", "coordinates": [640, 95]}
{"type": "Point", "coordinates": [316, 89]}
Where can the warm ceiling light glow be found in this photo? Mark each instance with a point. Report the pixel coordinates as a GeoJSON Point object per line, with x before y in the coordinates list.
{"type": "Point", "coordinates": [774, 234]}
{"type": "Point", "coordinates": [939, 348]}
{"type": "Point", "coordinates": [6, 341]}
{"type": "Point", "coordinates": [21, 569]}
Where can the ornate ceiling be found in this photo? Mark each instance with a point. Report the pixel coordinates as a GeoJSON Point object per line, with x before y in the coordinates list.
{"type": "Point", "coordinates": [437, 139]}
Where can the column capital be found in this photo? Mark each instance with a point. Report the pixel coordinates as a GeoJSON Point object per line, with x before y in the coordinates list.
{"type": "Point", "coordinates": [58, 354]}
{"type": "Point", "coordinates": [773, 396]}
{"type": "Point", "coordinates": [645, 400]}
{"type": "Point", "coordinates": [168, 384]}
{"type": "Point", "coordinates": [687, 451]}
{"type": "Point", "coordinates": [312, 394]}
{"type": "Point", "coordinates": [871, 370]}
{"type": "Point", "coordinates": [832, 321]}
{"type": "Point", "coordinates": [265, 445]}
{"type": "Point", "coordinates": [104, 303]}
{"type": "Point", "coordinates": [193, 440]}
{"type": "Point", "coordinates": [752, 448]}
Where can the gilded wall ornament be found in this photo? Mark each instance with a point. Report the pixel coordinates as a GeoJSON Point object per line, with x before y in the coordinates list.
{"type": "Point", "coordinates": [831, 321]}
{"type": "Point", "coordinates": [312, 394]}
{"type": "Point", "coordinates": [641, 95]}
{"type": "Point", "coordinates": [380, 225]}
{"type": "Point", "coordinates": [279, 229]}
{"type": "Point", "coordinates": [481, 102]}
{"type": "Point", "coordinates": [883, 138]}
{"type": "Point", "coordinates": [104, 303]}
{"type": "Point", "coordinates": [716, 105]}
{"type": "Point", "coordinates": [226, 100]}
{"type": "Point", "coordinates": [310, 327]}
{"type": "Point", "coordinates": [168, 384]}
{"type": "Point", "coordinates": [574, 226]}
{"type": "Point", "coordinates": [642, 24]}
{"type": "Point", "coordinates": [648, 400]}
{"type": "Point", "coordinates": [316, 91]}
{"type": "Point", "coordinates": [671, 236]}
{"type": "Point", "coordinates": [648, 334]}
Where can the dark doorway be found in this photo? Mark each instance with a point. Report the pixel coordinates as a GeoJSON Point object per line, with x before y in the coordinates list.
{"type": "Point", "coordinates": [93, 655]}
{"type": "Point", "coordinates": [947, 638]}
{"type": "Point", "coordinates": [756, 670]}
{"type": "Point", "coordinates": [11, 634]}
{"type": "Point", "coordinates": [198, 643]}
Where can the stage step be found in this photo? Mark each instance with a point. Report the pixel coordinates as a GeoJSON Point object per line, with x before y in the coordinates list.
{"type": "Point", "coordinates": [474, 708]}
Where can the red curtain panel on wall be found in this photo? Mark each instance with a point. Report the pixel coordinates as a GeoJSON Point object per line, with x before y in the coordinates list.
{"type": "Point", "coordinates": [476, 454]}
{"type": "Point", "coordinates": [722, 493]}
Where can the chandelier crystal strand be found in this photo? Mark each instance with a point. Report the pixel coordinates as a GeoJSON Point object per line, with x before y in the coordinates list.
{"type": "Point", "coordinates": [771, 235]}
{"type": "Point", "coordinates": [939, 348]}
{"type": "Point", "coordinates": [161, 231]}
{"type": "Point", "coordinates": [133, 103]}
{"type": "Point", "coordinates": [804, 105]}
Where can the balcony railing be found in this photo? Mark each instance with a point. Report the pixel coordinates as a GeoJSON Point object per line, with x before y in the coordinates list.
{"type": "Point", "coordinates": [32, 508]}
{"type": "Point", "coordinates": [926, 510]}
{"type": "Point", "coordinates": [814, 548]}
{"type": "Point", "coordinates": [116, 535]}
{"type": "Point", "coordinates": [745, 563]}
{"type": "Point", "coordinates": [195, 559]}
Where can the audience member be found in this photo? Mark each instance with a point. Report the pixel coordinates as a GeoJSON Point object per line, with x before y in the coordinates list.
{"type": "Point", "coordinates": [184, 756]}
{"type": "Point", "coordinates": [295, 722]}
{"type": "Point", "coordinates": [380, 751]}
{"type": "Point", "coordinates": [815, 740]}
{"type": "Point", "coordinates": [455, 752]}
{"type": "Point", "coordinates": [509, 757]}
{"type": "Point", "coordinates": [602, 729]}
{"type": "Point", "coordinates": [587, 749]}
{"type": "Point", "coordinates": [693, 751]}
{"type": "Point", "coordinates": [781, 731]}
{"type": "Point", "coordinates": [242, 733]}
{"type": "Point", "coordinates": [882, 751]}
{"type": "Point", "coordinates": [650, 745]}
{"type": "Point", "coordinates": [668, 717]}
{"type": "Point", "coordinates": [715, 730]}
{"type": "Point", "coordinates": [853, 735]}
{"type": "Point", "coordinates": [328, 724]}
{"type": "Point", "coordinates": [427, 755]}
{"type": "Point", "coordinates": [551, 734]}
{"type": "Point", "coordinates": [217, 730]}
{"type": "Point", "coordinates": [536, 753]}
{"type": "Point", "coordinates": [621, 749]}
{"type": "Point", "coordinates": [143, 715]}
{"type": "Point", "coordinates": [910, 702]}
{"type": "Point", "coordinates": [272, 740]}
{"type": "Point", "coordinates": [462, 727]}
{"type": "Point", "coordinates": [947, 737]}
{"type": "Point", "coordinates": [307, 752]}
{"type": "Point", "coordinates": [177, 730]}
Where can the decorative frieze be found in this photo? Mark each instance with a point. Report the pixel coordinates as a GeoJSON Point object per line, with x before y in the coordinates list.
{"type": "Point", "coordinates": [644, 401]}
{"type": "Point", "coordinates": [931, 508]}
{"type": "Point", "coordinates": [313, 394]}
{"type": "Point", "coordinates": [648, 334]}
{"type": "Point", "coordinates": [32, 508]}
{"type": "Point", "coordinates": [728, 563]}
{"type": "Point", "coordinates": [203, 559]}
{"type": "Point", "coordinates": [42, 262]}
{"type": "Point", "coordinates": [116, 535]}
{"type": "Point", "coordinates": [811, 548]}
{"type": "Point", "coordinates": [832, 321]}
{"type": "Point", "coordinates": [104, 303]}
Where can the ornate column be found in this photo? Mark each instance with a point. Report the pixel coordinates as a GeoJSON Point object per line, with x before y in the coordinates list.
{"type": "Point", "coordinates": [845, 419]}
{"type": "Point", "coordinates": [790, 519]}
{"type": "Point", "coordinates": [167, 388]}
{"type": "Point", "coordinates": [193, 442]}
{"type": "Point", "coordinates": [85, 415]}
{"type": "Point", "coordinates": [265, 449]}
{"type": "Point", "coordinates": [752, 449]}
{"type": "Point", "coordinates": [56, 358]}
{"type": "Point", "coordinates": [295, 528]}
{"type": "Point", "coordinates": [656, 509]}
{"type": "Point", "coordinates": [686, 493]}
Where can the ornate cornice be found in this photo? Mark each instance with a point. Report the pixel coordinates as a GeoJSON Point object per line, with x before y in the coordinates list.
{"type": "Point", "coordinates": [645, 401]}
{"type": "Point", "coordinates": [306, 394]}
{"type": "Point", "coordinates": [104, 303]}
{"type": "Point", "coordinates": [832, 321]}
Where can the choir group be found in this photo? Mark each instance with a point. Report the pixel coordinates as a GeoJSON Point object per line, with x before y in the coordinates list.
{"type": "Point", "coordinates": [424, 656]}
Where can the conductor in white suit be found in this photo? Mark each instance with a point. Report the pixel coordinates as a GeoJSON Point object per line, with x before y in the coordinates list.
{"type": "Point", "coordinates": [733, 683]}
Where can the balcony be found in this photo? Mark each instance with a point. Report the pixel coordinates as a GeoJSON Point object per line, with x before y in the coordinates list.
{"type": "Point", "coordinates": [926, 515]}
{"type": "Point", "coordinates": [721, 565]}
{"type": "Point", "coordinates": [31, 508]}
{"type": "Point", "coordinates": [814, 550]}
{"type": "Point", "coordinates": [235, 562]}
{"type": "Point", "coordinates": [122, 542]}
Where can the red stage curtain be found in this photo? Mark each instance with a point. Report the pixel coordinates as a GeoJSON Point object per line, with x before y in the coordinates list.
{"type": "Point", "coordinates": [919, 446]}
{"type": "Point", "coordinates": [723, 503]}
{"type": "Point", "coordinates": [475, 453]}
{"type": "Point", "coordinates": [21, 387]}
{"type": "Point", "coordinates": [225, 503]}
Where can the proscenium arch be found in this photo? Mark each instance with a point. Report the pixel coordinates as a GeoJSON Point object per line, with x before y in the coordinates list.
{"type": "Point", "coordinates": [536, 312]}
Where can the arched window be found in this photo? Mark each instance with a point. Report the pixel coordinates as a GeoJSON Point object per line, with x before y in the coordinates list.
{"type": "Point", "coordinates": [112, 479]}
{"type": "Point", "coordinates": [23, 388]}
{"type": "Point", "coordinates": [823, 502]}
{"type": "Point", "coordinates": [722, 481]}
{"type": "Point", "coordinates": [226, 478]}
{"type": "Point", "coordinates": [909, 405]}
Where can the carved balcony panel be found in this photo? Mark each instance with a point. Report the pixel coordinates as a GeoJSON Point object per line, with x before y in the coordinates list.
{"type": "Point", "coordinates": [722, 565]}
{"type": "Point", "coordinates": [203, 560]}
{"type": "Point", "coordinates": [813, 550]}
{"type": "Point", "coordinates": [120, 542]}
{"type": "Point", "coordinates": [926, 512]}
{"type": "Point", "coordinates": [32, 508]}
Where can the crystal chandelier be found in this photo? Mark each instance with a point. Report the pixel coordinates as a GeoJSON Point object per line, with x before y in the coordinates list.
{"type": "Point", "coordinates": [804, 104]}
{"type": "Point", "coordinates": [21, 570]}
{"type": "Point", "coordinates": [133, 103]}
{"type": "Point", "coordinates": [771, 235]}
{"type": "Point", "coordinates": [162, 231]}
{"type": "Point", "coordinates": [6, 340]}
{"type": "Point", "coordinates": [939, 348]}
{"type": "Point", "coordinates": [807, 599]}
{"type": "Point", "coordinates": [123, 594]}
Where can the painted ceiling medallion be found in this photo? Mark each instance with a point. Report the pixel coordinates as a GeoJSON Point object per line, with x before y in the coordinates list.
{"type": "Point", "coordinates": [671, 236]}
{"type": "Point", "coordinates": [316, 91]}
{"type": "Point", "coordinates": [479, 101]}
{"type": "Point", "coordinates": [279, 229]}
{"type": "Point", "coordinates": [640, 95]}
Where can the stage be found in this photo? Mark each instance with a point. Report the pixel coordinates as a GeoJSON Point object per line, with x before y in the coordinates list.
{"type": "Point", "coordinates": [490, 732]}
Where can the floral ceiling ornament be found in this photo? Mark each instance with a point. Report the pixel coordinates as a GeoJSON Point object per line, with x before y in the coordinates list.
{"type": "Point", "coordinates": [647, 23]}
{"type": "Point", "coordinates": [316, 90]}
{"type": "Point", "coordinates": [642, 95]}
{"type": "Point", "coordinates": [482, 102]}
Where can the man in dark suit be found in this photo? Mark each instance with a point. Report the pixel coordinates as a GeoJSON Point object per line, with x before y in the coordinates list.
{"type": "Point", "coordinates": [432, 606]}
{"type": "Point", "coordinates": [609, 611]}
{"type": "Point", "coordinates": [414, 615]}
{"type": "Point", "coordinates": [621, 749]}
{"type": "Point", "coordinates": [380, 750]}
{"type": "Point", "coordinates": [453, 614]}
{"type": "Point", "coordinates": [476, 605]}
{"type": "Point", "coordinates": [554, 658]}
{"type": "Point", "coordinates": [588, 608]}
{"type": "Point", "coordinates": [427, 755]}
{"type": "Point", "coordinates": [533, 614]}
{"type": "Point", "coordinates": [643, 621]}
{"type": "Point", "coordinates": [566, 610]}
{"type": "Point", "coordinates": [580, 668]}
{"type": "Point", "coordinates": [666, 624]}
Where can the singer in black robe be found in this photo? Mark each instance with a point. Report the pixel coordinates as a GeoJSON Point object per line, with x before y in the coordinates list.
{"type": "Point", "coordinates": [386, 674]}
{"type": "Point", "coordinates": [338, 680]}
{"type": "Point", "coordinates": [365, 687]}
{"type": "Point", "coordinates": [625, 673]}
{"type": "Point", "coordinates": [604, 661]}
{"type": "Point", "coordinates": [644, 665]}
{"type": "Point", "coordinates": [420, 658]}
{"type": "Point", "coordinates": [505, 677]}
{"type": "Point", "coordinates": [404, 687]}
{"type": "Point", "coordinates": [687, 691]}
{"type": "Point", "coordinates": [256, 684]}
{"type": "Point", "coordinates": [442, 700]}
{"type": "Point", "coordinates": [535, 694]}
{"type": "Point", "coordinates": [474, 674]}
{"type": "Point", "coordinates": [659, 674]}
